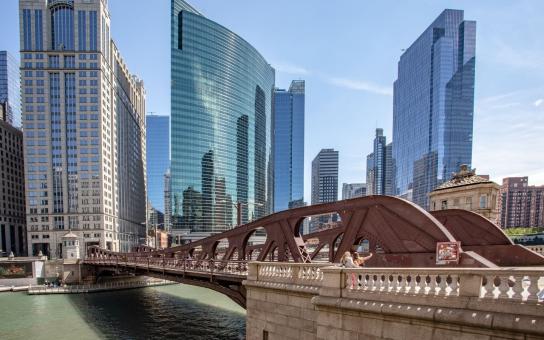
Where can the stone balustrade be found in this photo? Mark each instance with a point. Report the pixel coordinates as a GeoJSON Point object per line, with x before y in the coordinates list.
{"type": "Point", "coordinates": [294, 276]}
{"type": "Point", "coordinates": [320, 301]}
{"type": "Point", "coordinates": [512, 284]}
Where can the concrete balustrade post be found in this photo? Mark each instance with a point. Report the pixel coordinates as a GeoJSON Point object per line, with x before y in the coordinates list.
{"type": "Point", "coordinates": [470, 285]}
{"type": "Point", "coordinates": [297, 277]}
{"type": "Point", "coordinates": [333, 282]}
{"type": "Point", "coordinates": [253, 271]}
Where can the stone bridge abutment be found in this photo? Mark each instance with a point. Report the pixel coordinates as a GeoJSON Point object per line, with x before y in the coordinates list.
{"type": "Point", "coordinates": [315, 301]}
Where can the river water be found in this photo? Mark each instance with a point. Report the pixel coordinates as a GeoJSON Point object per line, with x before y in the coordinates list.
{"type": "Point", "coordinates": [165, 312]}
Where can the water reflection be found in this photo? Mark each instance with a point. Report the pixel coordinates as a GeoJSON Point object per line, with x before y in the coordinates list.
{"type": "Point", "coordinates": [179, 311]}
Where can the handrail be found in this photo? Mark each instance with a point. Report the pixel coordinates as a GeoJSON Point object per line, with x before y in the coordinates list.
{"type": "Point", "coordinates": [210, 266]}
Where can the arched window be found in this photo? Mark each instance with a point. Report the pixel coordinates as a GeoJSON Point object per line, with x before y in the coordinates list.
{"type": "Point", "coordinates": [62, 27]}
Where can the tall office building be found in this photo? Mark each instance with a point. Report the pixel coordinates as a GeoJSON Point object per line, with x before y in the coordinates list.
{"type": "Point", "coordinates": [433, 106]}
{"type": "Point", "coordinates": [521, 204]}
{"type": "Point", "coordinates": [158, 157]}
{"type": "Point", "coordinates": [288, 143]}
{"type": "Point", "coordinates": [167, 201]}
{"type": "Point", "coordinates": [10, 95]}
{"type": "Point", "coordinates": [84, 121]}
{"type": "Point", "coordinates": [352, 190]}
{"type": "Point", "coordinates": [380, 167]}
{"type": "Point", "coordinates": [325, 177]}
{"type": "Point", "coordinates": [220, 125]}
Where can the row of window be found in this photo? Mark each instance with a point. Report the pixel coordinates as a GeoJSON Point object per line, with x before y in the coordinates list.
{"type": "Point", "coordinates": [62, 29]}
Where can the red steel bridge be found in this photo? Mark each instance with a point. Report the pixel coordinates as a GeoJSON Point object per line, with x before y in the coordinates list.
{"type": "Point", "coordinates": [400, 233]}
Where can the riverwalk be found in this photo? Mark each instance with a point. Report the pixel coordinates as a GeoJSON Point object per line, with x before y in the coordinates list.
{"type": "Point", "coordinates": [94, 288]}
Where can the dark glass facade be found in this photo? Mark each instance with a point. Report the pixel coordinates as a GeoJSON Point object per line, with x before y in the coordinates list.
{"type": "Point", "coordinates": [380, 167]}
{"type": "Point", "coordinates": [158, 157]}
{"type": "Point", "coordinates": [433, 106]}
{"type": "Point", "coordinates": [288, 145]}
{"type": "Point", "coordinates": [220, 125]}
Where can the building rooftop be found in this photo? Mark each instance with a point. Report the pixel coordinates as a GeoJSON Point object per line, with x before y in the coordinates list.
{"type": "Point", "coordinates": [465, 176]}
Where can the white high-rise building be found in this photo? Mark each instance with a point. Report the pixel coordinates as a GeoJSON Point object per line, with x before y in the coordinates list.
{"type": "Point", "coordinates": [84, 123]}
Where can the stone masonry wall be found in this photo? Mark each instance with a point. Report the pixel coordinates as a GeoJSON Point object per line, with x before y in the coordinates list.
{"type": "Point", "coordinates": [282, 314]}
{"type": "Point", "coordinates": [335, 323]}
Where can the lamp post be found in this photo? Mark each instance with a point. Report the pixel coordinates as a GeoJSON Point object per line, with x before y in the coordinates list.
{"type": "Point", "coordinates": [238, 207]}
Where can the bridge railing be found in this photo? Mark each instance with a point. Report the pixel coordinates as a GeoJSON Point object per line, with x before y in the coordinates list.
{"type": "Point", "coordinates": [506, 284]}
{"type": "Point", "coordinates": [302, 274]}
{"type": "Point", "coordinates": [211, 266]}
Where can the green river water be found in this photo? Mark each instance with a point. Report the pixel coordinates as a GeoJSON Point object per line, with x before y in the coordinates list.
{"type": "Point", "coordinates": [165, 312]}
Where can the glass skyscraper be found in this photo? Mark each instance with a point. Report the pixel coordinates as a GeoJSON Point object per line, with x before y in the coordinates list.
{"type": "Point", "coordinates": [158, 157]}
{"type": "Point", "coordinates": [288, 145]}
{"type": "Point", "coordinates": [10, 96]}
{"type": "Point", "coordinates": [380, 167]}
{"type": "Point", "coordinates": [433, 106]}
{"type": "Point", "coordinates": [220, 125]}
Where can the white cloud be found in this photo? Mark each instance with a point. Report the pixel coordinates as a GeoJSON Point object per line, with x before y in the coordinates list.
{"type": "Point", "coordinates": [361, 85]}
{"type": "Point", "coordinates": [538, 102]}
{"type": "Point", "coordinates": [290, 69]}
{"type": "Point", "coordinates": [509, 135]}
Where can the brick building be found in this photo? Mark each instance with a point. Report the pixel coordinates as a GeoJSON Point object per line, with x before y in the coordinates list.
{"type": "Point", "coordinates": [521, 205]}
{"type": "Point", "coordinates": [12, 191]}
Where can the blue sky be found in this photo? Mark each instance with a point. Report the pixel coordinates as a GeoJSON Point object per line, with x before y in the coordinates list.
{"type": "Point", "coordinates": [347, 51]}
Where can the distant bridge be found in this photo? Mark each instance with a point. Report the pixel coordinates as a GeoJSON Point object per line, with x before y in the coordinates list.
{"type": "Point", "coordinates": [399, 232]}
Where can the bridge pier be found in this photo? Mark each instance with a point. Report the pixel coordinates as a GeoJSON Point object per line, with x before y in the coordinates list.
{"type": "Point", "coordinates": [309, 301]}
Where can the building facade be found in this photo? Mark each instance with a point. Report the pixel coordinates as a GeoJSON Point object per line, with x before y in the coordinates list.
{"type": "Point", "coordinates": [521, 204]}
{"type": "Point", "coordinates": [433, 106]}
{"type": "Point", "coordinates": [352, 190]}
{"type": "Point", "coordinates": [167, 201]}
{"type": "Point", "coordinates": [158, 157]}
{"type": "Point", "coordinates": [10, 95]}
{"type": "Point", "coordinates": [325, 177]}
{"type": "Point", "coordinates": [221, 104]}
{"type": "Point", "coordinates": [380, 167]}
{"type": "Point", "coordinates": [288, 143]}
{"type": "Point", "coordinates": [12, 191]}
{"type": "Point", "coordinates": [84, 122]}
{"type": "Point", "coordinates": [155, 218]}
{"type": "Point", "coordinates": [468, 191]}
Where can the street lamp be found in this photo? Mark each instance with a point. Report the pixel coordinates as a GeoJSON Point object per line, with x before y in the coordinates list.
{"type": "Point", "coordinates": [238, 206]}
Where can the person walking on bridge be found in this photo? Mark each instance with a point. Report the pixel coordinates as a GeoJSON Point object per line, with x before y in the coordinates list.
{"type": "Point", "coordinates": [360, 260]}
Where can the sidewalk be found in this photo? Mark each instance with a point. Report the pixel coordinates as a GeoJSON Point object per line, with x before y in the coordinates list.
{"type": "Point", "coordinates": [93, 288]}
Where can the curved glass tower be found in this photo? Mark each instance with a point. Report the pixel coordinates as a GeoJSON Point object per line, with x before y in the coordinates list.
{"type": "Point", "coordinates": [220, 125]}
